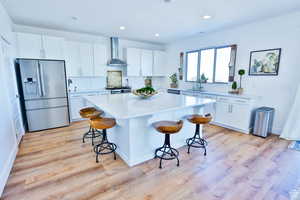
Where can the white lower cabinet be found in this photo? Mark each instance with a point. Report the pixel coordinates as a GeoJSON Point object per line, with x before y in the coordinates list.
{"type": "Point", "coordinates": [234, 113]}
{"type": "Point", "coordinates": [229, 112]}
{"type": "Point", "coordinates": [76, 103]}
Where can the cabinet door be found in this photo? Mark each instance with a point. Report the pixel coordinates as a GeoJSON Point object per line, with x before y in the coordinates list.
{"type": "Point", "coordinates": [223, 113]}
{"type": "Point", "coordinates": [159, 63]}
{"type": "Point", "coordinates": [133, 62]}
{"type": "Point", "coordinates": [29, 45]}
{"type": "Point", "coordinates": [147, 62]}
{"type": "Point", "coordinates": [241, 116]}
{"type": "Point", "coordinates": [100, 60]}
{"type": "Point", "coordinates": [86, 57]}
{"type": "Point", "coordinates": [53, 47]}
{"type": "Point", "coordinates": [73, 59]}
{"type": "Point", "coordinates": [76, 103]}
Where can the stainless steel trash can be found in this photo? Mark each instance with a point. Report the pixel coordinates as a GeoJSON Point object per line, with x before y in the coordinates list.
{"type": "Point", "coordinates": [263, 121]}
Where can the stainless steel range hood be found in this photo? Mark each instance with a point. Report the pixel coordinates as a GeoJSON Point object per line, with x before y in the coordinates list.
{"type": "Point", "coordinates": [115, 60]}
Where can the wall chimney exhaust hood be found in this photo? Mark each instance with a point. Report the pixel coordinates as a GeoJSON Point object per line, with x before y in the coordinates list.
{"type": "Point", "coordinates": [115, 60]}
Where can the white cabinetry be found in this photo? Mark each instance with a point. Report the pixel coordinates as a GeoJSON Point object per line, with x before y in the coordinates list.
{"type": "Point", "coordinates": [133, 62]}
{"type": "Point", "coordinates": [146, 62]}
{"type": "Point", "coordinates": [100, 60]}
{"type": "Point", "coordinates": [73, 59]}
{"type": "Point", "coordinates": [229, 112]}
{"type": "Point", "coordinates": [29, 45]}
{"type": "Point", "coordinates": [77, 102]}
{"type": "Point", "coordinates": [53, 47]}
{"type": "Point", "coordinates": [85, 59]}
{"type": "Point", "coordinates": [234, 113]}
{"type": "Point", "coordinates": [142, 62]}
{"type": "Point", "coordinates": [39, 47]}
{"type": "Point", "coordinates": [159, 63]}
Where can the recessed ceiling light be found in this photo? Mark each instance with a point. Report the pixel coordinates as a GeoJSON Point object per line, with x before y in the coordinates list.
{"type": "Point", "coordinates": [206, 16]}
{"type": "Point", "coordinates": [74, 18]}
{"type": "Point", "coordinates": [156, 34]}
{"type": "Point", "coordinates": [122, 28]}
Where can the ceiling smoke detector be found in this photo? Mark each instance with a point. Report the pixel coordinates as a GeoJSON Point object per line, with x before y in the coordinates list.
{"type": "Point", "coordinates": [168, 1]}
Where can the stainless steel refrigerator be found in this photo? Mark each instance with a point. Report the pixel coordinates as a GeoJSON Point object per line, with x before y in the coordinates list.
{"type": "Point", "coordinates": [43, 92]}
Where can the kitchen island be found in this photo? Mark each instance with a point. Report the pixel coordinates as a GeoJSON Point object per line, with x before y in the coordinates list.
{"type": "Point", "coordinates": [134, 136]}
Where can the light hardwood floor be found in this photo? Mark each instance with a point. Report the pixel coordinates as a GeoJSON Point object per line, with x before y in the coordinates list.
{"type": "Point", "coordinates": [54, 164]}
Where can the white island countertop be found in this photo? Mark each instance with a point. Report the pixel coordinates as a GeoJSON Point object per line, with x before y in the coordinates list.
{"type": "Point", "coordinates": [125, 106]}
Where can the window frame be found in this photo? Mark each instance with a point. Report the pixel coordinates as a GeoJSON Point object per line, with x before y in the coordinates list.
{"type": "Point", "coordinates": [215, 48]}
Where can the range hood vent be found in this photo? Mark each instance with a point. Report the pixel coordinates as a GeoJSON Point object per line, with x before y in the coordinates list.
{"type": "Point", "coordinates": [115, 60]}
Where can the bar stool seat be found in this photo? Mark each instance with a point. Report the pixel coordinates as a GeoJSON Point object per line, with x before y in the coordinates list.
{"type": "Point", "coordinates": [167, 127]}
{"type": "Point", "coordinates": [166, 152]}
{"type": "Point", "coordinates": [105, 147]}
{"type": "Point", "coordinates": [90, 113]}
{"type": "Point", "coordinates": [197, 141]}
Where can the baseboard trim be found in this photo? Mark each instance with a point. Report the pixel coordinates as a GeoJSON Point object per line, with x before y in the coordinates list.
{"type": "Point", "coordinates": [7, 168]}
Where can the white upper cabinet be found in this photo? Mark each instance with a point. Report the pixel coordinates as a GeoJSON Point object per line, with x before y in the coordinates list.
{"type": "Point", "coordinates": [146, 62]}
{"type": "Point", "coordinates": [73, 66]}
{"type": "Point", "coordinates": [39, 47]}
{"type": "Point", "coordinates": [86, 59]}
{"type": "Point", "coordinates": [100, 60]}
{"type": "Point", "coordinates": [142, 62]}
{"type": "Point", "coordinates": [133, 61]}
{"type": "Point", "coordinates": [159, 63]}
{"type": "Point", "coordinates": [53, 47]}
{"type": "Point", "coordinates": [29, 45]}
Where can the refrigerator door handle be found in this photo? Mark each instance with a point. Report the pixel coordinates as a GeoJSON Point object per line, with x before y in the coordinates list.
{"type": "Point", "coordinates": [42, 80]}
{"type": "Point", "coordinates": [39, 80]}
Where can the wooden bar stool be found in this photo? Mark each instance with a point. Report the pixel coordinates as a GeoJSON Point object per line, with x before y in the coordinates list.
{"type": "Point", "coordinates": [197, 141]}
{"type": "Point", "coordinates": [90, 113]}
{"type": "Point", "coordinates": [166, 152]}
{"type": "Point", "coordinates": [105, 147]}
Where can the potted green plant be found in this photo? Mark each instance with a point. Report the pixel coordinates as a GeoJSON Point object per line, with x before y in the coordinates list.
{"type": "Point", "coordinates": [234, 86]}
{"type": "Point", "coordinates": [241, 72]}
{"type": "Point", "coordinates": [174, 80]}
{"type": "Point", "coordinates": [203, 78]}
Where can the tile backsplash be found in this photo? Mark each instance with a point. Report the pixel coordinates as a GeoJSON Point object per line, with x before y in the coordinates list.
{"type": "Point", "coordinates": [97, 83]}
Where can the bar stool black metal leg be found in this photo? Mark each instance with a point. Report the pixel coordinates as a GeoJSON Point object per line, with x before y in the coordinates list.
{"type": "Point", "coordinates": [105, 147]}
{"type": "Point", "coordinates": [196, 141]}
{"type": "Point", "coordinates": [166, 152]}
{"type": "Point", "coordinates": [93, 136]}
{"type": "Point", "coordinates": [86, 134]}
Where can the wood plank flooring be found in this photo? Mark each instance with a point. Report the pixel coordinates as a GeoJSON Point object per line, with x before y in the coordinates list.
{"type": "Point", "coordinates": [54, 164]}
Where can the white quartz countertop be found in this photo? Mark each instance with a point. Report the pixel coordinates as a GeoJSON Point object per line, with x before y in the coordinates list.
{"type": "Point", "coordinates": [125, 106]}
{"type": "Point", "coordinates": [225, 94]}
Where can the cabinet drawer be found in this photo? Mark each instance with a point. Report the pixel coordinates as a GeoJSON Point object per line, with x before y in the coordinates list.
{"type": "Point", "coordinates": [241, 101]}
{"type": "Point", "coordinates": [208, 96]}
{"type": "Point", "coordinates": [233, 100]}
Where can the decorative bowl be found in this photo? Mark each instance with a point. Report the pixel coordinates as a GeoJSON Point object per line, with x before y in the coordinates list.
{"type": "Point", "coordinates": [144, 95]}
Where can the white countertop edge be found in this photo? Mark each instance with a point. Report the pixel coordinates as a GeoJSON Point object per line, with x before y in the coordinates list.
{"type": "Point", "coordinates": [149, 113]}
{"type": "Point", "coordinates": [243, 96]}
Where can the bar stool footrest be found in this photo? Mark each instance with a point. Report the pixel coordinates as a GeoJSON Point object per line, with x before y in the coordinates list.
{"type": "Point", "coordinates": [105, 147]}
{"type": "Point", "coordinates": [166, 152]}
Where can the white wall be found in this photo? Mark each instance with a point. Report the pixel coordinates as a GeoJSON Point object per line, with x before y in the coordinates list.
{"type": "Point", "coordinates": [280, 32]}
{"type": "Point", "coordinates": [98, 83]}
{"type": "Point", "coordinates": [8, 143]}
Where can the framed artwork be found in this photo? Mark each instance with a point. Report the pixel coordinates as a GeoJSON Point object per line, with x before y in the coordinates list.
{"type": "Point", "coordinates": [264, 62]}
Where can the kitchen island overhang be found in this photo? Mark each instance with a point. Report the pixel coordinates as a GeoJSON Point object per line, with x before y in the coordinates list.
{"type": "Point", "coordinates": [134, 136]}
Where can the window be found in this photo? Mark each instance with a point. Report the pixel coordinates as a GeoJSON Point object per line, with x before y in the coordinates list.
{"type": "Point", "coordinates": [212, 65]}
{"type": "Point", "coordinates": [192, 63]}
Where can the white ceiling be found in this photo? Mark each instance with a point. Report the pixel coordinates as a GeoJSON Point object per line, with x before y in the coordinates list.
{"type": "Point", "coordinates": [144, 18]}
